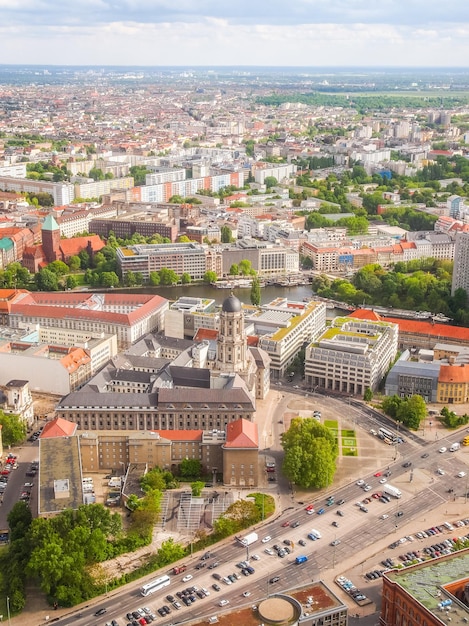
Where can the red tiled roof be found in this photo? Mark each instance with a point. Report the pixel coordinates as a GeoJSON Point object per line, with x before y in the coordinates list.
{"type": "Point", "coordinates": [252, 340]}
{"type": "Point", "coordinates": [70, 247]}
{"type": "Point", "coordinates": [205, 333]}
{"type": "Point", "coordinates": [241, 434]}
{"type": "Point", "coordinates": [454, 374]}
{"type": "Point", "coordinates": [416, 326]}
{"type": "Point", "coordinates": [58, 427]}
{"type": "Point", "coordinates": [181, 435]}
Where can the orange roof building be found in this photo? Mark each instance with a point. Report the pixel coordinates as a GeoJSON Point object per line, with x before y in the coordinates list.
{"type": "Point", "coordinates": [58, 427]}
{"type": "Point", "coordinates": [240, 454]}
{"type": "Point", "coordinates": [453, 384]}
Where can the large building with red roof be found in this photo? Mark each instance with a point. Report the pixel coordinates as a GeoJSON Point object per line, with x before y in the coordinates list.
{"type": "Point", "coordinates": [129, 316]}
{"type": "Point", "coordinates": [240, 454]}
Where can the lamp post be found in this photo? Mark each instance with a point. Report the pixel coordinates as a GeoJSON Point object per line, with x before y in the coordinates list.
{"type": "Point", "coordinates": [8, 611]}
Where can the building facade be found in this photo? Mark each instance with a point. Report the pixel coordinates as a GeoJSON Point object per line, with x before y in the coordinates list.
{"type": "Point", "coordinates": [461, 263]}
{"type": "Point", "coordinates": [351, 356]}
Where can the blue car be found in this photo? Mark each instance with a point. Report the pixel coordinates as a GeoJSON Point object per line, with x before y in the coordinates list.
{"type": "Point", "coordinates": [321, 511]}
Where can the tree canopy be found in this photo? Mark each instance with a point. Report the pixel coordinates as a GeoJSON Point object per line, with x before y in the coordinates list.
{"type": "Point", "coordinates": [409, 411]}
{"type": "Point", "coordinates": [310, 454]}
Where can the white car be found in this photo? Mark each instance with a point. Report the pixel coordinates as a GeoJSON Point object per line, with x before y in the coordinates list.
{"type": "Point", "coordinates": [266, 539]}
{"type": "Point", "coordinates": [187, 578]}
{"type": "Point", "coordinates": [255, 557]}
{"type": "Point", "coordinates": [223, 602]}
{"type": "Point", "coordinates": [367, 488]}
{"type": "Point", "coordinates": [440, 471]}
{"type": "Point", "coordinates": [269, 551]}
{"type": "Point", "coordinates": [382, 480]}
{"type": "Point", "coordinates": [246, 594]}
{"type": "Point", "coordinates": [461, 474]}
{"type": "Point", "coordinates": [441, 450]}
{"type": "Point", "coordinates": [385, 516]}
{"type": "Point", "coordinates": [360, 482]}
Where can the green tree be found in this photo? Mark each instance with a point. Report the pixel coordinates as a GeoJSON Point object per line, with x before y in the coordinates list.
{"type": "Point", "coordinates": [46, 280]}
{"type": "Point", "coordinates": [186, 278]}
{"type": "Point", "coordinates": [168, 277]}
{"type": "Point", "coordinates": [391, 404]}
{"type": "Point", "coordinates": [234, 270]}
{"type": "Point", "coordinates": [109, 279]}
{"type": "Point", "coordinates": [153, 479]}
{"type": "Point", "coordinates": [245, 268]}
{"type": "Point", "coordinates": [13, 429]}
{"type": "Point", "coordinates": [96, 174]}
{"type": "Point", "coordinates": [310, 453]}
{"type": "Point", "coordinates": [190, 468]}
{"type": "Point", "coordinates": [226, 234]}
{"type": "Point", "coordinates": [169, 552]}
{"type": "Point", "coordinates": [19, 520]}
{"type": "Point", "coordinates": [71, 282]}
{"type": "Point", "coordinates": [412, 411]}
{"type": "Point", "coordinates": [74, 263]}
{"type": "Point", "coordinates": [368, 395]}
{"type": "Point", "coordinates": [154, 279]}
{"type": "Point", "coordinates": [255, 292]}
{"type": "Point", "coordinates": [210, 277]}
{"type": "Point", "coordinates": [270, 181]}
{"type": "Point", "coordinates": [58, 267]}
{"type": "Point", "coordinates": [197, 487]}
{"type": "Point", "coordinates": [183, 239]}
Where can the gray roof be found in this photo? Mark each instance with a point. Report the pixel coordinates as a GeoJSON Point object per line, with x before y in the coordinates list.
{"type": "Point", "coordinates": [231, 304]}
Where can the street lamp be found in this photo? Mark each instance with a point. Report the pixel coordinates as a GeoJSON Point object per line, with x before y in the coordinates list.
{"type": "Point", "coordinates": [8, 611]}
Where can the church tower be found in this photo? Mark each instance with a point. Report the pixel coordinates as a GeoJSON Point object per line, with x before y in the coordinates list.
{"type": "Point", "coordinates": [232, 351]}
{"type": "Point", "coordinates": [50, 238]}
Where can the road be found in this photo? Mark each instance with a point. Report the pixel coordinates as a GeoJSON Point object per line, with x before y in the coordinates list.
{"type": "Point", "coordinates": [423, 490]}
{"type": "Point", "coordinates": [27, 453]}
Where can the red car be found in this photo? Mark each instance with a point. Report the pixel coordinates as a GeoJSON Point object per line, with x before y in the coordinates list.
{"type": "Point", "coordinates": [310, 507]}
{"type": "Point", "coordinates": [285, 524]}
{"type": "Point", "coordinates": [5, 472]}
{"type": "Point", "coordinates": [378, 474]}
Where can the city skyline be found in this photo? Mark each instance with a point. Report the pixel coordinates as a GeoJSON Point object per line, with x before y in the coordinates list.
{"type": "Point", "coordinates": [301, 33]}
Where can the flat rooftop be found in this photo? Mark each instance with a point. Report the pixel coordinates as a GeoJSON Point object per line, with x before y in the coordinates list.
{"type": "Point", "coordinates": [429, 583]}
{"type": "Point", "coordinates": [59, 461]}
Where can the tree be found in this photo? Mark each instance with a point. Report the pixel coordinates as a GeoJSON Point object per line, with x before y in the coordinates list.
{"type": "Point", "coordinates": [46, 280]}
{"type": "Point", "coordinates": [255, 292]}
{"type": "Point", "coordinates": [270, 181]}
{"type": "Point", "coordinates": [13, 429]}
{"type": "Point", "coordinates": [74, 263]}
{"type": "Point", "coordinates": [109, 279]}
{"type": "Point", "coordinates": [58, 267]}
{"type": "Point", "coordinates": [186, 278]}
{"type": "Point", "coordinates": [154, 279]}
{"type": "Point", "coordinates": [226, 234]}
{"type": "Point", "coordinates": [412, 411]}
{"type": "Point", "coordinates": [368, 395]}
{"type": "Point", "coordinates": [310, 453]}
{"type": "Point", "coordinates": [168, 277]}
{"type": "Point", "coordinates": [96, 174]}
{"type": "Point", "coordinates": [234, 270]}
{"type": "Point", "coordinates": [245, 268]}
{"type": "Point", "coordinates": [190, 468]}
{"type": "Point", "coordinates": [197, 487]}
{"type": "Point", "coordinates": [210, 277]}
{"type": "Point", "coordinates": [71, 282]}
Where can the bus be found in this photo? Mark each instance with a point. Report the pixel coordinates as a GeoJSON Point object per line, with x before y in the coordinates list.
{"type": "Point", "coordinates": [465, 441]}
{"type": "Point", "coordinates": [155, 585]}
{"type": "Point", "coordinates": [387, 436]}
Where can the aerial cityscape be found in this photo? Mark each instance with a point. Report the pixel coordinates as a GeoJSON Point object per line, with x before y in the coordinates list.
{"type": "Point", "coordinates": [234, 317]}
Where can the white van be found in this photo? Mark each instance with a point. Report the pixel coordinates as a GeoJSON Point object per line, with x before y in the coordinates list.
{"type": "Point", "coordinates": [455, 446]}
{"type": "Point", "coordinates": [115, 481]}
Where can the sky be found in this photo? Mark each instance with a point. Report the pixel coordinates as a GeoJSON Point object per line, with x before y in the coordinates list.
{"type": "Point", "coordinates": [310, 33]}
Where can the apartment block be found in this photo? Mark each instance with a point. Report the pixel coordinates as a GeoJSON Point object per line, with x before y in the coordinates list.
{"type": "Point", "coordinates": [146, 258]}
{"type": "Point", "coordinates": [461, 263]}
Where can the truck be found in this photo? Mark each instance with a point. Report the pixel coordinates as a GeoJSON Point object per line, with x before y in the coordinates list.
{"type": "Point", "coordinates": [248, 539]}
{"type": "Point", "coordinates": [392, 491]}
{"type": "Point", "coordinates": [301, 559]}
{"type": "Point", "coordinates": [179, 569]}
{"type": "Point", "coordinates": [455, 446]}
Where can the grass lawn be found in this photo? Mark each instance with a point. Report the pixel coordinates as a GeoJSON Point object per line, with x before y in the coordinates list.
{"type": "Point", "coordinates": [347, 433]}
{"type": "Point", "coordinates": [349, 442]}
{"type": "Point", "coordinates": [349, 451]}
{"type": "Point", "coordinates": [331, 424]}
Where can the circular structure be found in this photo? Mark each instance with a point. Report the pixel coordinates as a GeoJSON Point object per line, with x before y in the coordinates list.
{"type": "Point", "coordinates": [276, 610]}
{"type": "Point", "coordinates": [231, 304]}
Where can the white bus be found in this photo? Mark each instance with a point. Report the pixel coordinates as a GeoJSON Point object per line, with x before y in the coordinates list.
{"type": "Point", "coordinates": [155, 585]}
{"type": "Point", "coordinates": [387, 436]}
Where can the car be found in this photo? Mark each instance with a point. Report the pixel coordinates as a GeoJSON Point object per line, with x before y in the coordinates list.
{"type": "Point", "coordinates": [269, 551]}
{"type": "Point", "coordinates": [213, 565]}
{"type": "Point", "coordinates": [177, 605]}
{"type": "Point", "coordinates": [321, 511]}
{"type": "Point", "coordinates": [302, 542]}
{"type": "Point", "coordinates": [295, 524]}
{"type": "Point", "coordinates": [310, 507]}
{"type": "Point", "coordinates": [272, 479]}
{"type": "Point", "coordinates": [200, 565]}
{"type": "Point", "coordinates": [340, 513]}
{"type": "Point", "coordinates": [377, 475]}
{"type": "Point", "coordinates": [383, 480]}
{"type": "Point", "coordinates": [169, 598]}
{"type": "Point", "coordinates": [187, 578]}
{"type": "Point", "coordinates": [285, 524]}
{"type": "Point", "coordinates": [407, 464]}
{"type": "Point", "coordinates": [335, 542]}
{"type": "Point", "coordinates": [335, 524]}
{"type": "Point", "coordinates": [101, 611]}
{"type": "Point", "coordinates": [232, 577]}
{"type": "Point", "coordinates": [246, 594]}
{"type": "Point", "coordinates": [441, 450]}
{"type": "Point", "coordinates": [425, 455]}
{"type": "Point", "coordinates": [363, 509]}
{"type": "Point", "coordinates": [399, 514]}
{"type": "Point", "coordinates": [367, 488]}
{"type": "Point", "coordinates": [385, 516]}
{"type": "Point", "coordinates": [360, 482]}
{"type": "Point", "coordinates": [440, 471]}
{"type": "Point", "coordinates": [255, 557]}
{"type": "Point", "coordinates": [28, 485]}
{"type": "Point", "coordinates": [223, 602]}
{"type": "Point", "coordinates": [341, 502]}
{"type": "Point", "coordinates": [216, 587]}
{"type": "Point", "coordinates": [273, 580]}
{"type": "Point", "coordinates": [266, 539]}
{"type": "Point", "coordinates": [461, 474]}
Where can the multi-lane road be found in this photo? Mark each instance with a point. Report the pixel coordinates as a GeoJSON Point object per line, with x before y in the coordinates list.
{"type": "Point", "coordinates": [356, 531]}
